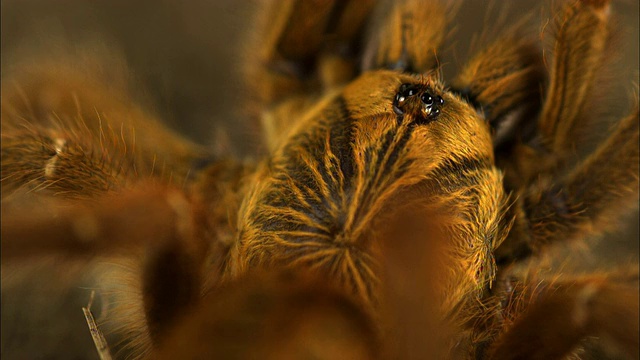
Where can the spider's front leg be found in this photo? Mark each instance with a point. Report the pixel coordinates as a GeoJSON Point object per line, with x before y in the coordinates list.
{"type": "Point", "coordinates": [503, 81]}
{"type": "Point", "coordinates": [409, 36]}
{"type": "Point", "coordinates": [273, 315]}
{"type": "Point", "coordinates": [308, 47]}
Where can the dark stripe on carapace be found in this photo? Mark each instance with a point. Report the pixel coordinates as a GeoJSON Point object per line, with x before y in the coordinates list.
{"type": "Point", "coordinates": [395, 152]}
{"type": "Point", "coordinates": [387, 155]}
{"type": "Point", "coordinates": [341, 139]}
{"type": "Point", "coordinates": [386, 144]}
{"type": "Point", "coordinates": [335, 120]}
{"type": "Point", "coordinates": [461, 168]}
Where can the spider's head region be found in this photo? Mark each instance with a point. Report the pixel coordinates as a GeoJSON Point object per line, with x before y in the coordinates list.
{"type": "Point", "coordinates": [385, 146]}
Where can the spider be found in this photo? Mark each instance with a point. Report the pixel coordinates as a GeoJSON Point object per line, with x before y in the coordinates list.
{"type": "Point", "coordinates": [391, 214]}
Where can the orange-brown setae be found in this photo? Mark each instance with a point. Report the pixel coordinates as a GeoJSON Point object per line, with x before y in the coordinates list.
{"type": "Point", "coordinates": [390, 216]}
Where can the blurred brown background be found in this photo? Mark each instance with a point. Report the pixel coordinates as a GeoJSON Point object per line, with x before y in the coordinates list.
{"type": "Point", "coordinates": [185, 55]}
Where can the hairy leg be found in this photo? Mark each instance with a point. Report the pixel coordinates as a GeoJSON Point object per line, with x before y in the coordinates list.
{"type": "Point", "coordinates": [78, 132]}
{"type": "Point", "coordinates": [504, 82]}
{"type": "Point", "coordinates": [592, 197]}
{"type": "Point", "coordinates": [409, 36]}
{"type": "Point", "coordinates": [559, 201]}
{"type": "Point", "coordinates": [308, 48]}
{"type": "Point", "coordinates": [548, 320]}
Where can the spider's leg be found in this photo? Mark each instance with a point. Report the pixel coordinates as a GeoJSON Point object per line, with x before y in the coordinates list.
{"type": "Point", "coordinates": [409, 37]}
{"type": "Point", "coordinates": [579, 50]}
{"type": "Point", "coordinates": [507, 75]}
{"type": "Point", "coordinates": [97, 167]}
{"type": "Point", "coordinates": [558, 206]}
{"type": "Point", "coordinates": [159, 228]}
{"type": "Point", "coordinates": [67, 129]}
{"type": "Point", "coordinates": [503, 81]}
{"type": "Point", "coordinates": [37, 160]}
{"type": "Point", "coordinates": [593, 195]}
{"type": "Point", "coordinates": [109, 222]}
{"type": "Point", "coordinates": [308, 47]}
{"type": "Point", "coordinates": [417, 287]}
{"type": "Point", "coordinates": [549, 320]}
{"type": "Point", "coordinates": [274, 315]}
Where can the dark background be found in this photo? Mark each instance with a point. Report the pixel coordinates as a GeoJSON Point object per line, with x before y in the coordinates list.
{"type": "Point", "coordinates": [184, 56]}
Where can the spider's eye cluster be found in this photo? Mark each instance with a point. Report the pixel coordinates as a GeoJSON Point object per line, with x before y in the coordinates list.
{"type": "Point", "coordinates": [419, 99]}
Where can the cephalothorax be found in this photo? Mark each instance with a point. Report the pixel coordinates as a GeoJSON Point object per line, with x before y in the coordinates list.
{"type": "Point", "coordinates": [391, 215]}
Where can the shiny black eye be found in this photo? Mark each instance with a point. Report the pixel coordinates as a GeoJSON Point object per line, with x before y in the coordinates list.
{"type": "Point", "coordinates": [427, 99]}
{"type": "Point", "coordinates": [408, 90]}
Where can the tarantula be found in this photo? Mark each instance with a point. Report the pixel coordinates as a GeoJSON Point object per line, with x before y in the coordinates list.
{"type": "Point", "coordinates": [391, 215]}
